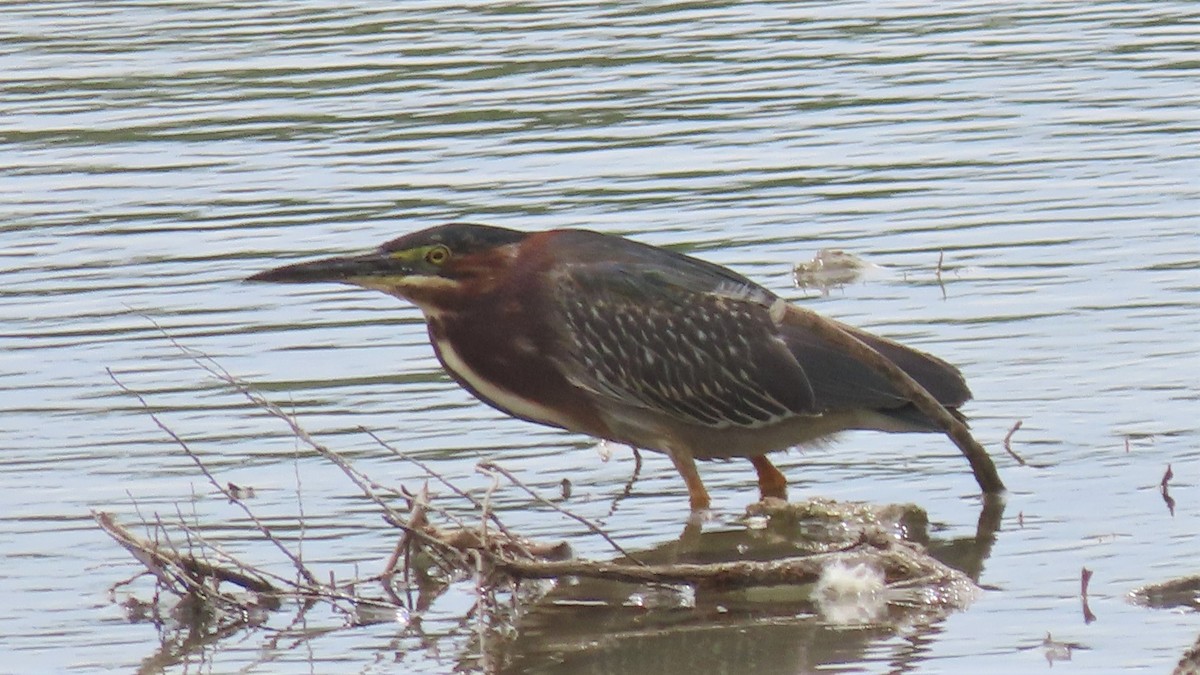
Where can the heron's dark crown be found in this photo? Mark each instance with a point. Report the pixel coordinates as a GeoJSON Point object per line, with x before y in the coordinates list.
{"type": "Point", "coordinates": [461, 238]}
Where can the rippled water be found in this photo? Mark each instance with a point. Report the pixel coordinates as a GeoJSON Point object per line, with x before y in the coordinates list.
{"type": "Point", "coordinates": [153, 154]}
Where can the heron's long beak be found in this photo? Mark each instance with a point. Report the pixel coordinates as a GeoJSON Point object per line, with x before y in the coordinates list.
{"type": "Point", "coordinates": [344, 269]}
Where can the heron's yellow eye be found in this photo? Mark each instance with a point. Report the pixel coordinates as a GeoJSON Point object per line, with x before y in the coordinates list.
{"type": "Point", "coordinates": [437, 255]}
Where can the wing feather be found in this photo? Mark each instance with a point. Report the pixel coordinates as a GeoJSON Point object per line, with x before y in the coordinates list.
{"type": "Point", "coordinates": [651, 328]}
{"type": "Point", "coordinates": [633, 335]}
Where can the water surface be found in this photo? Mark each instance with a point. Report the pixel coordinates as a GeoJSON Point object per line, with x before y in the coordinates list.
{"type": "Point", "coordinates": [154, 154]}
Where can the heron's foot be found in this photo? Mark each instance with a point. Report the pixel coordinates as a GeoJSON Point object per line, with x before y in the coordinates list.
{"type": "Point", "coordinates": [771, 481]}
{"type": "Point", "coordinates": [689, 539]}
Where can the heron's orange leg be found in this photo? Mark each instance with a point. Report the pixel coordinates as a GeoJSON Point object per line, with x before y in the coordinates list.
{"type": "Point", "coordinates": [686, 466]}
{"type": "Point", "coordinates": [771, 482]}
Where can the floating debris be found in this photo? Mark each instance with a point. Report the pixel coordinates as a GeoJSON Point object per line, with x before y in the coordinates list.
{"type": "Point", "coordinates": [851, 595]}
{"type": "Point", "coordinates": [1189, 663]}
{"type": "Point", "coordinates": [237, 492]}
{"type": "Point", "coordinates": [1183, 592]}
{"type": "Point", "coordinates": [831, 268]}
{"type": "Point", "coordinates": [1055, 650]}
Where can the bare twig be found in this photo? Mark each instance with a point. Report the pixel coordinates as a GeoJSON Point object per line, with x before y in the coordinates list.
{"type": "Point", "coordinates": [262, 528]}
{"type": "Point", "coordinates": [492, 466]}
{"type": "Point", "coordinates": [302, 522]}
{"type": "Point", "coordinates": [628, 489]}
{"type": "Point", "coordinates": [429, 471]}
{"type": "Point", "coordinates": [487, 502]}
{"type": "Point", "coordinates": [368, 487]}
{"type": "Point", "coordinates": [159, 559]}
{"type": "Point", "coordinates": [941, 284]}
{"type": "Point", "coordinates": [1165, 490]}
{"type": "Point", "coordinates": [176, 569]}
{"type": "Point", "coordinates": [1085, 576]}
{"type": "Point", "coordinates": [1008, 443]}
{"type": "Point", "coordinates": [404, 546]}
{"type": "Point", "coordinates": [197, 540]}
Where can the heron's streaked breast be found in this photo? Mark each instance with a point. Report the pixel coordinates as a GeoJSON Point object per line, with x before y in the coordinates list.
{"type": "Point", "coordinates": [504, 399]}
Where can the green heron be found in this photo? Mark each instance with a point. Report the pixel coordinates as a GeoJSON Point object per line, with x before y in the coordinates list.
{"type": "Point", "coordinates": [635, 344]}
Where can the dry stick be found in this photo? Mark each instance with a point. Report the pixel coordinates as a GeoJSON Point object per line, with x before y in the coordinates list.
{"type": "Point", "coordinates": [194, 547]}
{"type": "Point", "coordinates": [1008, 443]}
{"type": "Point", "coordinates": [1166, 494]}
{"type": "Point", "coordinates": [421, 519]}
{"type": "Point", "coordinates": [266, 532]}
{"type": "Point", "coordinates": [443, 480]}
{"type": "Point", "coordinates": [367, 486]}
{"type": "Point", "coordinates": [487, 503]}
{"type": "Point", "coordinates": [112, 590]}
{"type": "Point", "coordinates": [628, 489]}
{"type": "Point", "coordinates": [487, 510]}
{"type": "Point", "coordinates": [152, 535]}
{"type": "Point", "coordinates": [221, 553]}
{"type": "Point", "coordinates": [434, 543]}
{"type": "Point", "coordinates": [160, 566]}
{"type": "Point", "coordinates": [941, 257]}
{"type": "Point", "coordinates": [364, 483]}
{"type": "Point", "coordinates": [481, 602]}
{"type": "Point", "coordinates": [191, 544]}
{"type": "Point", "coordinates": [155, 556]}
{"type": "Point", "coordinates": [429, 505]}
{"type": "Point", "coordinates": [1085, 576]}
{"type": "Point", "coordinates": [439, 548]}
{"type": "Point", "coordinates": [981, 464]}
{"type": "Point", "coordinates": [419, 522]}
{"type": "Point", "coordinates": [156, 559]}
{"type": "Point", "coordinates": [204, 569]}
{"type": "Point", "coordinates": [302, 521]}
{"type": "Point", "coordinates": [416, 519]}
{"type": "Point", "coordinates": [492, 466]}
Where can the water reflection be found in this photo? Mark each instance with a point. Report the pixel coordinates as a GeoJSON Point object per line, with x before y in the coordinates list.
{"type": "Point", "coordinates": [588, 626]}
{"type": "Point", "coordinates": [581, 624]}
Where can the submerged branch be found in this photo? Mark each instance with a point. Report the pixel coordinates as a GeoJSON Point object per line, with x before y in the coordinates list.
{"type": "Point", "coordinates": [222, 488]}
{"type": "Point", "coordinates": [898, 563]}
{"type": "Point", "coordinates": [167, 563]}
{"type": "Point", "coordinates": [595, 529]}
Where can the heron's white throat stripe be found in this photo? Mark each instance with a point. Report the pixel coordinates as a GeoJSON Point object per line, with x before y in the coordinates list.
{"type": "Point", "coordinates": [506, 400]}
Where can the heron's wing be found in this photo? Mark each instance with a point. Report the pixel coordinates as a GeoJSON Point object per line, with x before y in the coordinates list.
{"type": "Point", "coordinates": [842, 381]}
{"type": "Point", "coordinates": [665, 331]}
{"type": "Point", "coordinates": [720, 359]}
{"type": "Point", "coordinates": [681, 340]}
